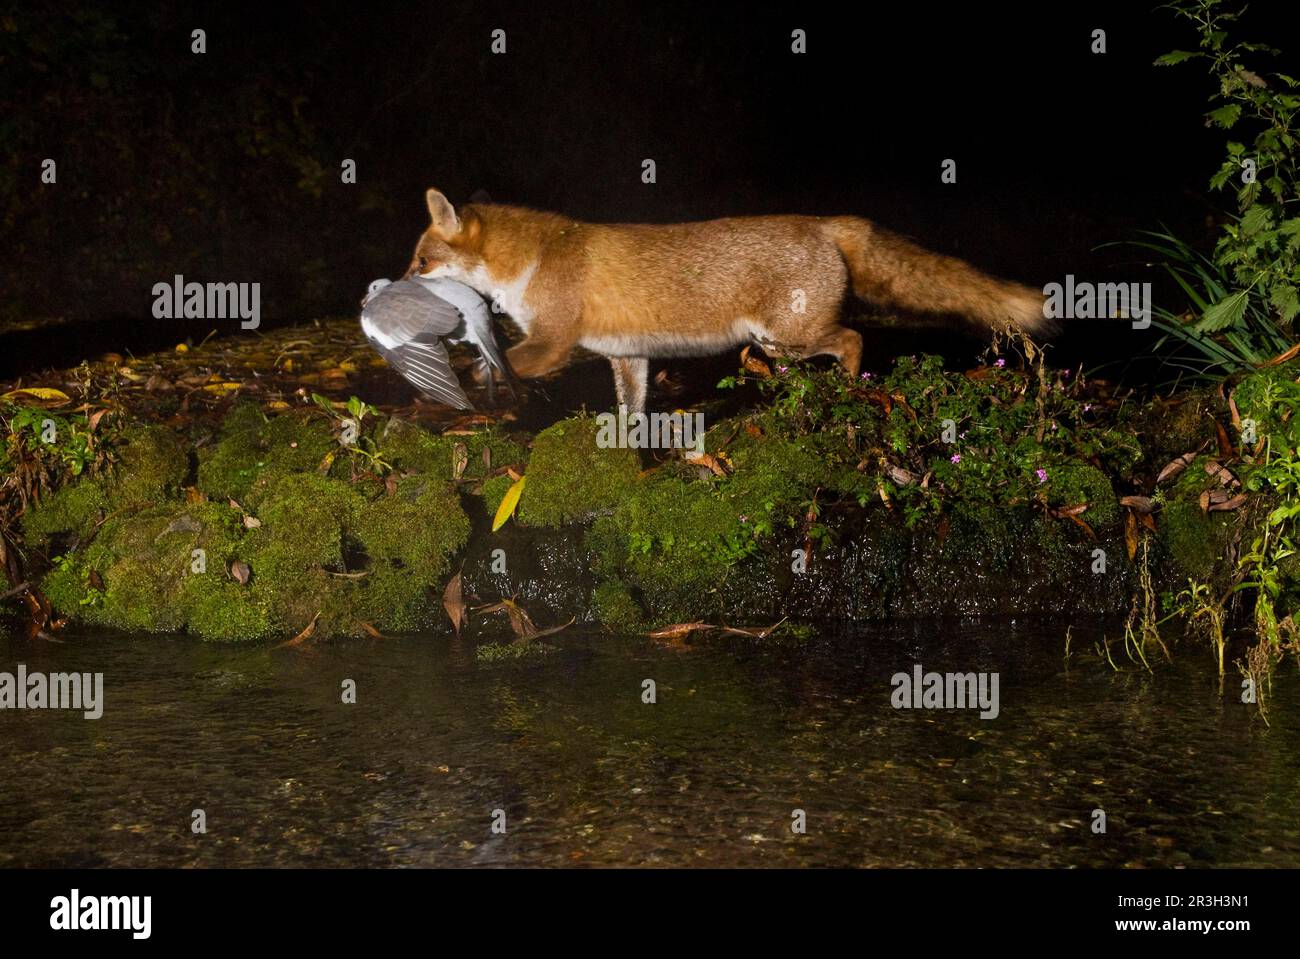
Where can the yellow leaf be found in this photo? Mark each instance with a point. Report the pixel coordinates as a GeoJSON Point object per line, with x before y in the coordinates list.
{"type": "Point", "coordinates": [39, 393]}
{"type": "Point", "coordinates": [222, 387]}
{"type": "Point", "coordinates": [508, 503]}
{"type": "Point", "coordinates": [277, 405]}
{"type": "Point", "coordinates": [182, 348]}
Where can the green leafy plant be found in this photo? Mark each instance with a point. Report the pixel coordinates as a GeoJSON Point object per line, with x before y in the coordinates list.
{"type": "Point", "coordinates": [1246, 294]}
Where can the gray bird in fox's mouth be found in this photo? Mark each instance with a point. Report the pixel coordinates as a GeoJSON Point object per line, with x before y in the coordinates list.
{"type": "Point", "coordinates": [408, 321]}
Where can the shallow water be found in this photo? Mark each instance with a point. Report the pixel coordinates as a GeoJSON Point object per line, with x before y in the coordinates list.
{"type": "Point", "coordinates": [743, 732]}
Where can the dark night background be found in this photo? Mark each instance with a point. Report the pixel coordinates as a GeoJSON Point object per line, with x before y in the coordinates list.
{"type": "Point", "coordinates": [225, 166]}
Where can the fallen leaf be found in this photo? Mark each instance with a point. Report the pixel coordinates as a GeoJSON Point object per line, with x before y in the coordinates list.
{"type": "Point", "coordinates": [710, 462]}
{"type": "Point", "coordinates": [41, 396]}
{"type": "Point", "coordinates": [305, 635]}
{"type": "Point", "coordinates": [753, 364]}
{"type": "Point", "coordinates": [454, 603]}
{"type": "Point", "coordinates": [1225, 445]}
{"type": "Point", "coordinates": [508, 503]}
{"type": "Point", "coordinates": [1221, 502]}
{"type": "Point", "coordinates": [370, 630]}
{"type": "Point", "coordinates": [459, 460]}
{"type": "Point", "coordinates": [520, 621]}
{"type": "Point", "coordinates": [1130, 534]}
{"type": "Point", "coordinates": [762, 633]}
{"type": "Point", "coordinates": [251, 522]}
{"type": "Point", "coordinates": [1141, 504]}
{"type": "Point", "coordinates": [1175, 466]}
{"type": "Point", "coordinates": [241, 574]}
{"type": "Point", "coordinates": [680, 630]}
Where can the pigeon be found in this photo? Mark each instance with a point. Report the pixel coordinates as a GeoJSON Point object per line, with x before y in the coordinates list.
{"type": "Point", "coordinates": [407, 322]}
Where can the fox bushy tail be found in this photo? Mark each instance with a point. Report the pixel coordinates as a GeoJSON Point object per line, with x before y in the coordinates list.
{"type": "Point", "coordinates": [891, 271]}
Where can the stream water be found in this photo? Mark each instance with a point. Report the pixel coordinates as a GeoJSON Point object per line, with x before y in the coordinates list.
{"type": "Point", "coordinates": [742, 733]}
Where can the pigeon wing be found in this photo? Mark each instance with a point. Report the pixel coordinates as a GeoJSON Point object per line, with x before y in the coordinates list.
{"type": "Point", "coordinates": [405, 311]}
{"type": "Point", "coordinates": [426, 367]}
{"type": "Point", "coordinates": [478, 321]}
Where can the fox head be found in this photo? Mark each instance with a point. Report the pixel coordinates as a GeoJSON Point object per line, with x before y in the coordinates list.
{"type": "Point", "coordinates": [451, 246]}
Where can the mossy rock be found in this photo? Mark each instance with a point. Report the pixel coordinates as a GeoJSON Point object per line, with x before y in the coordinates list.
{"type": "Point", "coordinates": [408, 447]}
{"type": "Point", "coordinates": [253, 452]}
{"type": "Point", "coordinates": [152, 465]}
{"type": "Point", "coordinates": [571, 478]}
{"type": "Point", "coordinates": [614, 606]}
{"type": "Point", "coordinates": [73, 509]}
{"type": "Point", "coordinates": [323, 551]}
{"type": "Point", "coordinates": [1070, 484]}
{"type": "Point", "coordinates": [1194, 540]}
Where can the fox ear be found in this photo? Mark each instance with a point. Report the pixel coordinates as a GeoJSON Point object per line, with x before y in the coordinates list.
{"type": "Point", "coordinates": [442, 213]}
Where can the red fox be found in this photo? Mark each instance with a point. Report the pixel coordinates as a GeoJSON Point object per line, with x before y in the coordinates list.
{"type": "Point", "coordinates": [634, 291]}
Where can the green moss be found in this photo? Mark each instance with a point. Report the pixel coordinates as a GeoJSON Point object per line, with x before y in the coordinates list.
{"type": "Point", "coordinates": [570, 478]}
{"type": "Point", "coordinates": [498, 653]}
{"type": "Point", "coordinates": [1194, 539]}
{"type": "Point", "coordinates": [494, 491]}
{"type": "Point", "coordinates": [1073, 483]}
{"type": "Point", "coordinates": [616, 609]}
{"type": "Point", "coordinates": [408, 539]}
{"type": "Point", "coordinates": [152, 466]}
{"type": "Point", "coordinates": [73, 509]}
{"type": "Point", "coordinates": [411, 448]}
{"type": "Point", "coordinates": [254, 452]}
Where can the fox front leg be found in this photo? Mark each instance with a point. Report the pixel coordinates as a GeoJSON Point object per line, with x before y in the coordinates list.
{"type": "Point", "coordinates": [631, 375]}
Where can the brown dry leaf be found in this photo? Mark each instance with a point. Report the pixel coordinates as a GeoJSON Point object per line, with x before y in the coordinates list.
{"type": "Point", "coordinates": [761, 633]}
{"type": "Point", "coordinates": [710, 462]}
{"type": "Point", "coordinates": [454, 603]}
{"type": "Point", "coordinates": [1130, 534]}
{"type": "Point", "coordinates": [370, 630]}
{"type": "Point", "coordinates": [1225, 445]}
{"type": "Point", "coordinates": [753, 430]}
{"type": "Point", "coordinates": [514, 474]}
{"type": "Point", "coordinates": [305, 635]}
{"type": "Point", "coordinates": [1205, 501]}
{"type": "Point", "coordinates": [195, 495]}
{"type": "Point", "coordinates": [1232, 408]}
{"type": "Point", "coordinates": [1222, 502]}
{"type": "Point", "coordinates": [899, 475]}
{"type": "Point", "coordinates": [240, 572]}
{"type": "Point", "coordinates": [519, 619]}
{"type": "Point", "coordinates": [1220, 472]}
{"type": "Point", "coordinates": [487, 458]}
{"type": "Point", "coordinates": [680, 630]}
{"type": "Point", "coordinates": [94, 419]}
{"type": "Point", "coordinates": [941, 531]}
{"type": "Point", "coordinates": [1175, 466]}
{"type": "Point", "coordinates": [753, 364]}
{"type": "Point", "coordinates": [251, 522]}
{"type": "Point", "coordinates": [548, 632]}
{"type": "Point", "coordinates": [459, 460]}
{"type": "Point", "coordinates": [1065, 512]}
{"type": "Point", "coordinates": [1283, 357]}
{"type": "Point", "coordinates": [1086, 528]}
{"type": "Point", "coordinates": [1147, 520]}
{"type": "Point", "coordinates": [1140, 504]}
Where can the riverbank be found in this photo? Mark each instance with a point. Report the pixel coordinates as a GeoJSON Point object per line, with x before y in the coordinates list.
{"type": "Point", "coordinates": [284, 487]}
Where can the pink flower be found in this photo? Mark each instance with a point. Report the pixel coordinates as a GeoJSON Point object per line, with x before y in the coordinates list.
{"type": "Point", "coordinates": [1042, 475]}
{"type": "Point", "coordinates": [956, 458]}
{"type": "Point", "coordinates": [1000, 363]}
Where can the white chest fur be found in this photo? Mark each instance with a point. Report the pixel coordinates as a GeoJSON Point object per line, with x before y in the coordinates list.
{"type": "Point", "coordinates": [505, 296]}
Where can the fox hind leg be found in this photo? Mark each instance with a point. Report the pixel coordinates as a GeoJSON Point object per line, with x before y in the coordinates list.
{"type": "Point", "coordinates": [631, 377]}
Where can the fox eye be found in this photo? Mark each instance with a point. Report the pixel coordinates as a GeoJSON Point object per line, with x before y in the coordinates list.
{"type": "Point", "coordinates": [424, 263]}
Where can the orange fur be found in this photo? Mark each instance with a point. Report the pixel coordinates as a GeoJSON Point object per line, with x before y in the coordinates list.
{"type": "Point", "coordinates": [632, 291]}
